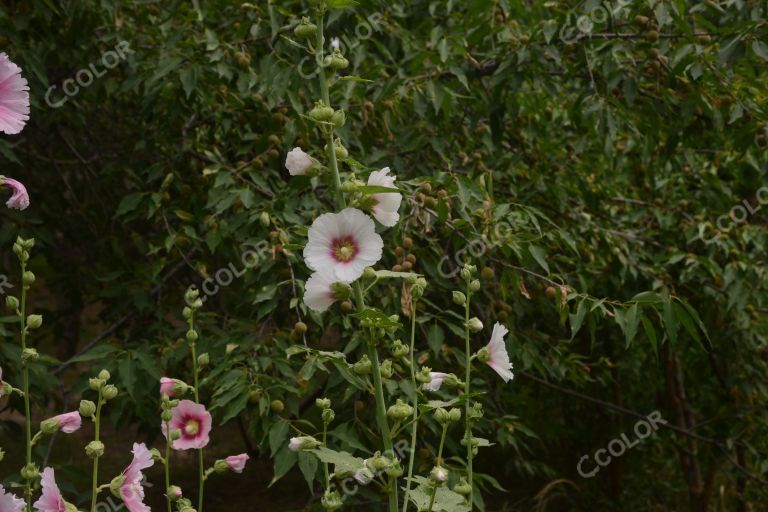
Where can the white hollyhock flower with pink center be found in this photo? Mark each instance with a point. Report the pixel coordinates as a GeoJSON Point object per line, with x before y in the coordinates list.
{"type": "Point", "coordinates": [236, 463]}
{"type": "Point", "coordinates": [386, 204]}
{"type": "Point", "coordinates": [131, 490]}
{"type": "Point", "coordinates": [321, 290]}
{"type": "Point", "coordinates": [497, 350]}
{"type": "Point", "coordinates": [51, 499]}
{"type": "Point", "coordinates": [193, 421]}
{"type": "Point", "coordinates": [298, 162]}
{"type": "Point", "coordinates": [436, 382]}
{"type": "Point", "coordinates": [9, 502]}
{"type": "Point", "coordinates": [19, 199]}
{"type": "Point", "coordinates": [14, 97]}
{"type": "Point", "coordinates": [343, 243]}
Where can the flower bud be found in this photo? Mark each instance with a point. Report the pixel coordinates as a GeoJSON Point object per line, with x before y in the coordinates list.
{"type": "Point", "coordinates": [203, 360]}
{"type": "Point", "coordinates": [321, 112]}
{"type": "Point", "coordinates": [12, 303]}
{"type": "Point", "coordinates": [95, 384]}
{"type": "Point", "coordinates": [30, 472]}
{"type": "Point", "coordinates": [476, 411]}
{"type": "Point", "coordinates": [115, 484]}
{"type": "Point", "coordinates": [109, 392]}
{"type": "Point", "coordinates": [174, 492]}
{"type": "Point", "coordinates": [363, 366]}
{"type": "Point", "coordinates": [340, 150]}
{"type": "Point", "coordinates": [156, 455]}
{"type": "Point", "coordinates": [328, 415]}
{"type": "Point", "coordinates": [442, 416]}
{"type": "Point", "coordinates": [459, 298]}
{"type": "Point", "coordinates": [191, 335]}
{"type": "Point", "coordinates": [386, 369]}
{"type": "Point", "coordinates": [400, 411]}
{"type": "Point", "coordinates": [339, 118]}
{"type": "Point", "coordinates": [467, 271]}
{"type": "Point", "coordinates": [438, 475]}
{"type": "Point", "coordinates": [186, 312]}
{"type": "Point", "coordinates": [277, 405]}
{"type": "Point", "coordinates": [369, 273]}
{"type": "Point", "coordinates": [474, 286]}
{"type": "Point", "coordinates": [462, 487]}
{"type": "Point", "coordinates": [399, 349]}
{"type": "Point", "coordinates": [94, 449]}
{"type": "Point", "coordinates": [34, 321]}
{"type": "Point", "coordinates": [18, 249]}
{"type": "Point", "coordinates": [29, 355]}
{"type": "Point", "coordinates": [331, 500]}
{"type": "Point", "coordinates": [323, 403]}
{"type": "Point", "coordinates": [2, 455]}
{"type": "Point", "coordinates": [87, 408]}
{"type": "Point", "coordinates": [474, 324]}
{"type": "Point", "coordinates": [424, 377]}
{"type": "Point", "coordinates": [264, 219]}
{"type": "Point", "coordinates": [305, 29]}
{"type": "Point", "coordinates": [378, 462]}
{"type": "Point", "coordinates": [395, 470]}
{"type": "Point", "coordinates": [167, 416]}
{"type": "Point", "coordinates": [303, 443]}
{"type": "Point", "coordinates": [27, 278]}
{"type": "Point", "coordinates": [483, 355]}
{"type": "Point", "coordinates": [50, 426]}
{"type": "Point", "coordinates": [175, 434]}
{"type": "Point", "coordinates": [454, 414]}
{"type": "Point", "coordinates": [341, 291]}
{"type": "Point", "coordinates": [220, 466]}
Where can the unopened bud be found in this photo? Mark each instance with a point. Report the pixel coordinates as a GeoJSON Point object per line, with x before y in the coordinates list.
{"type": "Point", "coordinates": [323, 403]}
{"type": "Point", "coordinates": [109, 392]}
{"type": "Point", "coordinates": [459, 298]}
{"type": "Point", "coordinates": [94, 449]}
{"type": "Point", "coordinates": [87, 408]}
{"type": "Point", "coordinates": [399, 349]}
{"type": "Point", "coordinates": [424, 376]}
{"type": "Point", "coordinates": [220, 466]}
{"type": "Point", "coordinates": [439, 475]}
{"type": "Point", "coordinates": [483, 355]}
{"type": "Point", "coordinates": [305, 29]}
{"type": "Point", "coordinates": [386, 369]}
{"type": "Point", "coordinates": [174, 492]}
{"type": "Point", "coordinates": [12, 303]}
{"type": "Point", "coordinates": [192, 335]}
{"type": "Point", "coordinates": [467, 271]}
{"type": "Point", "coordinates": [462, 487]}
{"type": "Point", "coordinates": [400, 411]}
{"type": "Point", "coordinates": [104, 375]}
{"type": "Point", "coordinates": [203, 360]}
{"type": "Point", "coordinates": [27, 278]}
{"type": "Point", "coordinates": [474, 286]}
{"type": "Point", "coordinates": [328, 415]}
{"type": "Point", "coordinates": [29, 472]}
{"type": "Point", "coordinates": [95, 384]}
{"type": "Point", "coordinates": [34, 321]}
{"type": "Point", "coordinates": [29, 355]}
{"type": "Point", "coordinates": [474, 324]}
{"type": "Point", "coordinates": [363, 366]}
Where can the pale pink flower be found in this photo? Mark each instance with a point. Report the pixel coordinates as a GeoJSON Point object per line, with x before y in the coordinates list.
{"type": "Point", "coordinates": [499, 359]}
{"type": "Point", "coordinates": [193, 421]}
{"type": "Point", "coordinates": [236, 463]}
{"type": "Point", "coordinates": [19, 200]}
{"type": "Point", "coordinates": [14, 97]}
{"type": "Point", "coordinates": [166, 386]}
{"type": "Point", "coordinates": [386, 205]}
{"type": "Point", "coordinates": [298, 162]}
{"type": "Point", "coordinates": [343, 243]}
{"type": "Point", "coordinates": [69, 422]}
{"type": "Point", "coordinates": [51, 499]}
{"type": "Point", "coordinates": [318, 290]}
{"type": "Point", "coordinates": [436, 382]}
{"type": "Point", "coordinates": [295, 444]}
{"type": "Point", "coordinates": [131, 489]}
{"type": "Point", "coordinates": [9, 502]}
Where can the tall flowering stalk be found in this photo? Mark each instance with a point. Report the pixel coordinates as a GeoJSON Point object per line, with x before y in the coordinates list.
{"type": "Point", "coordinates": [95, 449]}
{"type": "Point", "coordinates": [192, 298]}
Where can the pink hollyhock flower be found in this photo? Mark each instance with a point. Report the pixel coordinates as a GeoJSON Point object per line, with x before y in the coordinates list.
{"type": "Point", "coordinates": [51, 499]}
{"type": "Point", "coordinates": [166, 386]}
{"type": "Point", "coordinates": [19, 200]}
{"type": "Point", "coordinates": [343, 243]}
{"type": "Point", "coordinates": [386, 205]}
{"type": "Point", "coordinates": [14, 97]}
{"type": "Point", "coordinates": [298, 162]}
{"type": "Point", "coordinates": [67, 423]}
{"type": "Point", "coordinates": [319, 292]}
{"type": "Point", "coordinates": [436, 382]}
{"type": "Point", "coordinates": [236, 463]}
{"type": "Point", "coordinates": [9, 502]}
{"type": "Point", "coordinates": [131, 490]}
{"type": "Point", "coordinates": [193, 421]}
{"type": "Point", "coordinates": [499, 359]}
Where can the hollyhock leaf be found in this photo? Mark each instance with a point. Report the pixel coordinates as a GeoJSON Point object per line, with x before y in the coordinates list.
{"type": "Point", "coordinates": [285, 459]}
{"type": "Point", "coordinates": [308, 465]}
{"type": "Point", "coordinates": [278, 435]}
{"type": "Point", "coordinates": [343, 462]}
{"type": "Point", "coordinates": [377, 318]}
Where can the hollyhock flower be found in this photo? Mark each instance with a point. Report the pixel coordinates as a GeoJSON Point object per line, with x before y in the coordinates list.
{"type": "Point", "coordinates": [14, 97]}
{"type": "Point", "coordinates": [193, 421]}
{"type": "Point", "coordinates": [166, 387]}
{"type": "Point", "coordinates": [236, 463]}
{"type": "Point", "coordinates": [67, 423]}
{"type": "Point", "coordinates": [131, 490]}
{"type": "Point", "coordinates": [9, 502]}
{"type": "Point", "coordinates": [498, 358]}
{"type": "Point", "coordinates": [298, 162]}
{"type": "Point", "coordinates": [343, 243]}
{"type": "Point", "coordinates": [19, 200]}
{"type": "Point", "coordinates": [51, 499]}
{"type": "Point", "coordinates": [322, 289]}
{"type": "Point", "coordinates": [386, 204]}
{"type": "Point", "coordinates": [436, 382]}
{"type": "Point", "coordinates": [303, 443]}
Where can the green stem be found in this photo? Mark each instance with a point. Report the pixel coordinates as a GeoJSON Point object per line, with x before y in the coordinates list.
{"type": "Point", "coordinates": [325, 464]}
{"type": "Point", "coordinates": [196, 377]}
{"type": "Point", "coordinates": [415, 422]}
{"type": "Point", "coordinates": [25, 387]}
{"type": "Point", "coordinates": [97, 433]}
{"type": "Point", "coordinates": [439, 463]}
{"type": "Point", "coordinates": [468, 376]}
{"type": "Point", "coordinates": [168, 464]}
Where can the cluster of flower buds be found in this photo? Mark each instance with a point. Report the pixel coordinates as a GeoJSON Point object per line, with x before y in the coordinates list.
{"type": "Point", "coordinates": [21, 248]}
{"type": "Point", "coordinates": [399, 349]}
{"type": "Point", "coordinates": [331, 500]}
{"type": "Point", "coordinates": [400, 411]}
{"type": "Point", "coordinates": [446, 417]}
{"type": "Point", "coordinates": [327, 116]}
